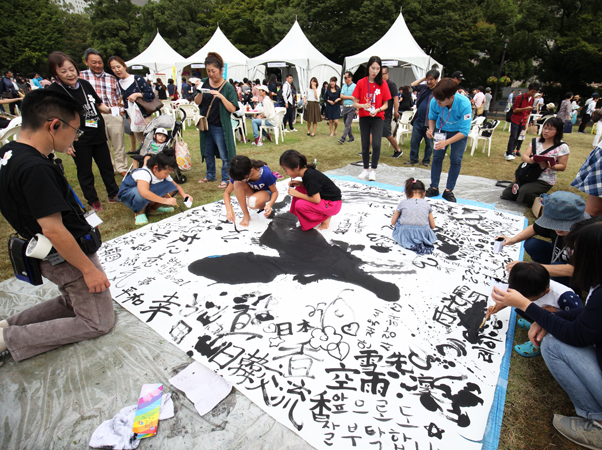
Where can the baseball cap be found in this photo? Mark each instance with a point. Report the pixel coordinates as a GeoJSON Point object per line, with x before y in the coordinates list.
{"type": "Point", "coordinates": [458, 74]}
{"type": "Point", "coordinates": [161, 131]}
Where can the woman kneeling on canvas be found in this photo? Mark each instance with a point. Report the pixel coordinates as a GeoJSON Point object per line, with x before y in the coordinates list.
{"type": "Point", "coordinates": [150, 189]}
{"type": "Point", "coordinates": [571, 341]}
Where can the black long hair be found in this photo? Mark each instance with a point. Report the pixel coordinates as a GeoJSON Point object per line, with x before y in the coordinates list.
{"type": "Point", "coordinates": [557, 123]}
{"type": "Point", "coordinates": [292, 159]}
{"type": "Point", "coordinates": [378, 79]}
{"type": "Point", "coordinates": [163, 160]}
{"type": "Point", "coordinates": [585, 239]}
{"type": "Point", "coordinates": [241, 165]}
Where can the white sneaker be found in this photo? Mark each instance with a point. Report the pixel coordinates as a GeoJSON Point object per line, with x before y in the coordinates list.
{"type": "Point", "coordinates": [509, 157]}
{"type": "Point", "coordinates": [259, 143]}
{"type": "Point", "coordinates": [363, 175]}
{"type": "Point", "coordinates": [372, 175]}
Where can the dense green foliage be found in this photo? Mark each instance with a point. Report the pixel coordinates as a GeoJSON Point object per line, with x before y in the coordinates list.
{"type": "Point", "coordinates": [557, 41]}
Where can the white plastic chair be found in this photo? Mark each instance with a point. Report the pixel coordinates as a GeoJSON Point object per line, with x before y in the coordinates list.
{"type": "Point", "coordinates": [276, 127]}
{"type": "Point", "coordinates": [485, 139]}
{"type": "Point", "coordinates": [190, 109]}
{"type": "Point", "coordinates": [11, 131]}
{"type": "Point", "coordinates": [240, 126]}
{"type": "Point", "coordinates": [405, 127]}
{"type": "Point", "coordinates": [478, 120]}
{"type": "Point", "coordinates": [540, 127]}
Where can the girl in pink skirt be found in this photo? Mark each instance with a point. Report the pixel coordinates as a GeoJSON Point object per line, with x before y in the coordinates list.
{"type": "Point", "coordinates": [316, 198]}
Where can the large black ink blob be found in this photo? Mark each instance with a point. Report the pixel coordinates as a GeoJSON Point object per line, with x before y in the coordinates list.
{"type": "Point", "coordinates": [306, 254]}
{"type": "Point", "coordinates": [471, 319]}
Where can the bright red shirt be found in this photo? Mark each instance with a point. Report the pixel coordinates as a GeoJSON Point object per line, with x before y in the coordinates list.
{"type": "Point", "coordinates": [374, 94]}
{"type": "Point", "coordinates": [521, 101]}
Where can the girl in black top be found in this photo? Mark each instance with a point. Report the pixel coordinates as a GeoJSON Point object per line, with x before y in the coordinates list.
{"type": "Point", "coordinates": [92, 144]}
{"type": "Point", "coordinates": [316, 198]}
{"type": "Point", "coordinates": [161, 90]}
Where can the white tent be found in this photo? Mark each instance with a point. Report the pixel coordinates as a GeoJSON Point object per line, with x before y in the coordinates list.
{"type": "Point", "coordinates": [219, 43]}
{"type": "Point", "coordinates": [158, 57]}
{"type": "Point", "coordinates": [399, 51]}
{"type": "Point", "coordinates": [296, 50]}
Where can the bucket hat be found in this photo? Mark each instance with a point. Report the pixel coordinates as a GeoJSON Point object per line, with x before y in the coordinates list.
{"type": "Point", "coordinates": [561, 210]}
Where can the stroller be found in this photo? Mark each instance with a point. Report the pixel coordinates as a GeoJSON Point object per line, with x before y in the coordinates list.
{"type": "Point", "coordinates": [163, 121]}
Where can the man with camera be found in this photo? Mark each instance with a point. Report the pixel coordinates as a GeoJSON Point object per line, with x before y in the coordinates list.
{"type": "Point", "coordinates": [35, 197]}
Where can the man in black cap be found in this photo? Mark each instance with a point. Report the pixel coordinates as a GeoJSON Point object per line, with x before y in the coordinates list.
{"type": "Point", "coordinates": [457, 76]}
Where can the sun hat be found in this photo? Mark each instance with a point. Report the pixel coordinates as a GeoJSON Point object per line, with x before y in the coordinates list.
{"type": "Point", "coordinates": [264, 88]}
{"type": "Point", "coordinates": [161, 131]}
{"type": "Point", "coordinates": [561, 210]}
{"type": "Point", "coordinates": [550, 106]}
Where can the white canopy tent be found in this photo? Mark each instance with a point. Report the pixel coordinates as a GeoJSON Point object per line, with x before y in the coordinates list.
{"type": "Point", "coordinates": [400, 52]}
{"type": "Point", "coordinates": [295, 53]}
{"type": "Point", "coordinates": [219, 43]}
{"type": "Point", "coordinates": [158, 57]}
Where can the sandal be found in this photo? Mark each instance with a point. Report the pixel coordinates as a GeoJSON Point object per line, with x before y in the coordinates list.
{"type": "Point", "coordinates": [206, 180]}
{"type": "Point", "coordinates": [524, 323]}
{"type": "Point", "coordinates": [223, 185]}
{"type": "Point", "coordinates": [528, 350]}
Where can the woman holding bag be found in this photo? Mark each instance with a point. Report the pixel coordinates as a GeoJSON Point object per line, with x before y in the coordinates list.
{"type": "Point", "coordinates": [133, 87]}
{"type": "Point", "coordinates": [216, 107]}
{"type": "Point", "coordinates": [91, 144]}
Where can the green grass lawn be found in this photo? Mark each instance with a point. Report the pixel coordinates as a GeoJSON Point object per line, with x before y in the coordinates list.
{"type": "Point", "coordinates": [533, 395]}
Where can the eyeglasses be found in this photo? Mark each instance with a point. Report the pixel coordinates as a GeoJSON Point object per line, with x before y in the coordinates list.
{"type": "Point", "coordinates": [78, 133]}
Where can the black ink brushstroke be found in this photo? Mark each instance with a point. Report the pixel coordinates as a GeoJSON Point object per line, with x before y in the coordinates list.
{"type": "Point", "coordinates": [306, 254]}
{"type": "Point", "coordinates": [471, 320]}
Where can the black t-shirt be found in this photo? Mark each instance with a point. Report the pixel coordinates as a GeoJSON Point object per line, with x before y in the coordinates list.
{"type": "Point", "coordinates": [85, 95]}
{"type": "Point", "coordinates": [315, 181]}
{"type": "Point", "coordinates": [406, 101]}
{"type": "Point", "coordinates": [37, 189]}
{"type": "Point", "coordinates": [213, 117]}
{"type": "Point", "coordinates": [161, 93]}
{"type": "Point", "coordinates": [392, 90]}
{"type": "Point", "coordinates": [558, 241]}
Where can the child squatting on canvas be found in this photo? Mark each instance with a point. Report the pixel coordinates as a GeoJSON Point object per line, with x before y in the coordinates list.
{"type": "Point", "coordinates": [150, 189]}
{"type": "Point", "coordinates": [413, 220]}
{"type": "Point", "coordinates": [532, 280]}
{"type": "Point", "coordinates": [254, 185]}
{"type": "Point", "coordinates": [316, 198]}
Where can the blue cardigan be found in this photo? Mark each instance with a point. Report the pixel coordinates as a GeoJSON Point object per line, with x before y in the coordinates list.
{"type": "Point", "coordinates": [145, 89]}
{"type": "Point", "coordinates": [579, 327]}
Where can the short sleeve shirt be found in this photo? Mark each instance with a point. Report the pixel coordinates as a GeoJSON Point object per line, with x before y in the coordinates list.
{"type": "Point", "coordinates": [414, 211]}
{"type": "Point", "coordinates": [145, 174]}
{"type": "Point", "coordinates": [91, 120]}
{"type": "Point", "coordinates": [458, 118]}
{"type": "Point", "coordinates": [38, 189]}
{"type": "Point", "coordinates": [316, 182]}
{"type": "Point", "coordinates": [560, 253]}
{"type": "Point", "coordinates": [348, 91]}
{"type": "Point", "coordinates": [373, 94]}
{"type": "Point", "coordinates": [213, 117]}
{"type": "Point", "coordinates": [552, 297]}
{"type": "Point", "coordinates": [265, 180]}
{"type": "Point", "coordinates": [549, 175]}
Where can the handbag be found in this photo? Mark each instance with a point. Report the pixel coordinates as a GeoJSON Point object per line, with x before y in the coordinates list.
{"type": "Point", "coordinates": [149, 107]}
{"type": "Point", "coordinates": [479, 110]}
{"type": "Point", "coordinates": [182, 154]}
{"type": "Point", "coordinates": [202, 124]}
{"type": "Point", "coordinates": [528, 173]}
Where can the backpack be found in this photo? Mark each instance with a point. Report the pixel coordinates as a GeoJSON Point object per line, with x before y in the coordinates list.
{"type": "Point", "coordinates": [488, 127]}
{"type": "Point", "coordinates": [511, 110]}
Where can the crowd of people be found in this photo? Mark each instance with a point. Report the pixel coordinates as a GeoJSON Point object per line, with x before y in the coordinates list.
{"type": "Point", "coordinates": [78, 113]}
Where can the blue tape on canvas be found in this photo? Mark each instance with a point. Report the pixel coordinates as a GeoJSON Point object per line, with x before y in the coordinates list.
{"type": "Point", "coordinates": [491, 438]}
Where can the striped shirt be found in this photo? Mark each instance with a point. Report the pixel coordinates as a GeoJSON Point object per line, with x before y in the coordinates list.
{"type": "Point", "coordinates": [105, 86]}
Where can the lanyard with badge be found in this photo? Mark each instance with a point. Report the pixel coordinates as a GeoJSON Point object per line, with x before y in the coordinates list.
{"type": "Point", "coordinates": [441, 136]}
{"type": "Point", "coordinates": [372, 98]}
{"type": "Point", "coordinates": [90, 123]}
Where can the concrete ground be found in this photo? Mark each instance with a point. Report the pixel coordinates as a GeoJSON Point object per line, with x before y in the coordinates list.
{"type": "Point", "coordinates": [56, 400]}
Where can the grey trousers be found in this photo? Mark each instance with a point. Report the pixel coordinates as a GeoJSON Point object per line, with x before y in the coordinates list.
{"type": "Point", "coordinates": [74, 316]}
{"type": "Point", "coordinates": [348, 115]}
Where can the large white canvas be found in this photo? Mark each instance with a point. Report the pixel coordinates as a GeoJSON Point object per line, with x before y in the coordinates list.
{"type": "Point", "coordinates": [342, 335]}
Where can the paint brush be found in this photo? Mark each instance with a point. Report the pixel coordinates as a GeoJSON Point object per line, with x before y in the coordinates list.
{"type": "Point", "coordinates": [489, 313]}
{"type": "Point", "coordinates": [169, 195]}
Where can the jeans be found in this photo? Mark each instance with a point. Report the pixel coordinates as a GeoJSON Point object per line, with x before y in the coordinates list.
{"type": "Point", "coordinates": [512, 140]}
{"type": "Point", "coordinates": [371, 126]}
{"type": "Point", "coordinates": [455, 161]}
{"type": "Point", "coordinates": [419, 133]}
{"type": "Point", "coordinates": [541, 252]}
{"type": "Point", "coordinates": [75, 315]}
{"type": "Point", "coordinates": [256, 123]}
{"type": "Point", "coordinates": [213, 138]}
{"type": "Point", "coordinates": [577, 371]}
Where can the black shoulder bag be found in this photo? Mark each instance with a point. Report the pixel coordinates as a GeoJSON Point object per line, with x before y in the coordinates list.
{"type": "Point", "coordinates": [528, 173]}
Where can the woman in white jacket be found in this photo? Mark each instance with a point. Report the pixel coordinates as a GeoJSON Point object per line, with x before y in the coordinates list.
{"type": "Point", "coordinates": [267, 118]}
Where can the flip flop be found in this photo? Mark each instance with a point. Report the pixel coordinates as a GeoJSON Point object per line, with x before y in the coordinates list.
{"type": "Point", "coordinates": [223, 185]}
{"type": "Point", "coordinates": [524, 323]}
{"type": "Point", "coordinates": [528, 350]}
{"type": "Point", "coordinates": [206, 180]}
{"type": "Point", "coordinates": [277, 175]}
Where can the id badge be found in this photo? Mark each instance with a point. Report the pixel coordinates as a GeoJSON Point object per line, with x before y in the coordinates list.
{"type": "Point", "coordinates": [92, 218]}
{"type": "Point", "coordinates": [372, 110]}
{"type": "Point", "coordinates": [92, 123]}
{"type": "Point", "coordinates": [439, 137]}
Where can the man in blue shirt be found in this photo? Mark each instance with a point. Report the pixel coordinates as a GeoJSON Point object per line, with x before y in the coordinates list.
{"type": "Point", "coordinates": [186, 90]}
{"type": "Point", "coordinates": [424, 93]}
{"type": "Point", "coordinates": [449, 124]}
{"type": "Point", "coordinates": [348, 109]}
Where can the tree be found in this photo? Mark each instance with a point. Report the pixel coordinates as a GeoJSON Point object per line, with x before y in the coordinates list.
{"type": "Point", "coordinates": [77, 29]}
{"type": "Point", "coordinates": [31, 30]}
{"type": "Point", "coordinates": [115, 28]}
